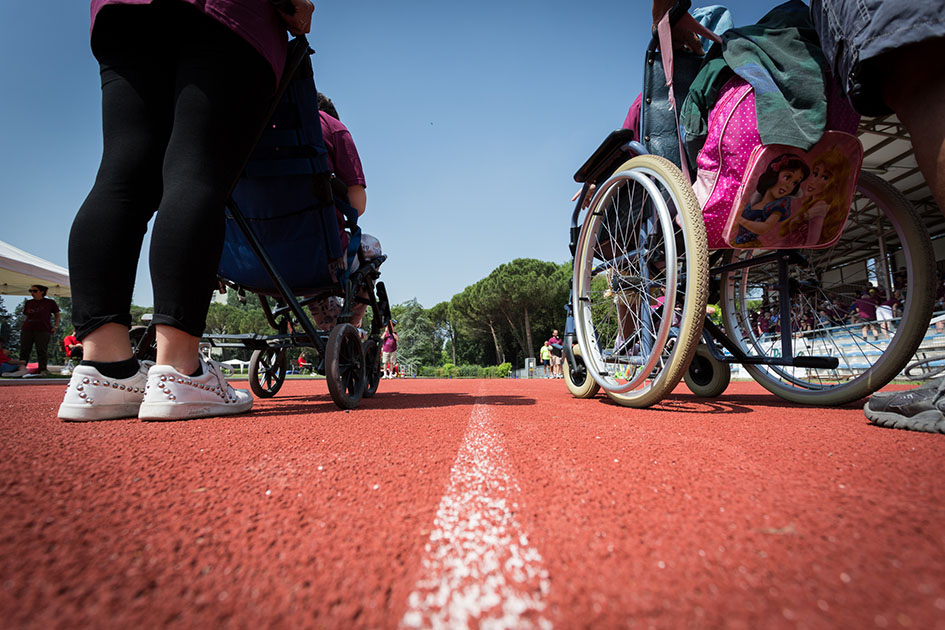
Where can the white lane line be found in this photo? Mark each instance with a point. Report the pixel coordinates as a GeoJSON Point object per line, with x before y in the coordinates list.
{"type": "Point", "coordinates": [478, 569]}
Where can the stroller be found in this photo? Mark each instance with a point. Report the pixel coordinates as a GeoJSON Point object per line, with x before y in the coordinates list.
{"type": "Point", "coordinates": [644, 274]}
{"type": "Point", "coordinates": [292, 239]}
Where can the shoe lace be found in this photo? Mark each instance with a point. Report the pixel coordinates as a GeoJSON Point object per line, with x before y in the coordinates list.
{"type": "Point", "coordinates": [216, 369]}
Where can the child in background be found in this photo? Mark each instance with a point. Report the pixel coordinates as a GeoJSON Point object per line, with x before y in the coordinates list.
{"type": "Point", "coordinates": [10, 368]}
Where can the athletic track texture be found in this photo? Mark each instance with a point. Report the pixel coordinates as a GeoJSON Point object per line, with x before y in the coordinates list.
{"type": "Point", "coordinates": [470, 504]}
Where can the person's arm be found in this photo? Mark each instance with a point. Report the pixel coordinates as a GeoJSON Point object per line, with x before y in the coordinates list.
{"type": "Point", "coordinates": [683, 34]}
{"type": "Point", "coordinates": [58, 318]}
{"type": "Point", "coordinates": [297, 15]}
{"type": "Point", "coordinates": [357, 197]}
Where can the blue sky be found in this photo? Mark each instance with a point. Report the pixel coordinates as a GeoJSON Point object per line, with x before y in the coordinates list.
{"type": "Point", "coordinates": [470, 118]}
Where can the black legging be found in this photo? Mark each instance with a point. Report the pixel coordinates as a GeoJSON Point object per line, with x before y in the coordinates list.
{"type": "Point", "coordinates": [182, 100]}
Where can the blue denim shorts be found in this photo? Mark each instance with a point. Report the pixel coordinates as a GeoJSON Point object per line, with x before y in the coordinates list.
{"type": "Point", "coordinates": [856, 34]}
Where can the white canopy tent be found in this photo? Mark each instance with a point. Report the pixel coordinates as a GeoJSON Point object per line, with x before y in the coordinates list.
{"type": "Point", "coordinates": [19, 270]}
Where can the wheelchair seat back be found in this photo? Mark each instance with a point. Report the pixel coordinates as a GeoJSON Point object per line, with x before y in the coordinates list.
{"type": "Point", "coordinates": [285, 196]}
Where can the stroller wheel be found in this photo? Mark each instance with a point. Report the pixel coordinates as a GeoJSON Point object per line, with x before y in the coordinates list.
{"type": "Point", "coordinates": [344, 366]}
{"type": "Point", "coordinates": [267, 370]}
{"type": "Point", "coordinates": [372, 367]}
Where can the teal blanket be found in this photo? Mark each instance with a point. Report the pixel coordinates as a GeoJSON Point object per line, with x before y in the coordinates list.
{"type": "Point", "coordinates": [780, 57]}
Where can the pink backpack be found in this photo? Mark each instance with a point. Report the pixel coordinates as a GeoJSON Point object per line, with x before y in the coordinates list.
{"type": "Point", "coordinates": [733, 159]}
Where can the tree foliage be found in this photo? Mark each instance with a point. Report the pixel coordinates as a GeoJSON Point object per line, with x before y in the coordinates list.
{"type": "Point", "coordinates": [416, 335]}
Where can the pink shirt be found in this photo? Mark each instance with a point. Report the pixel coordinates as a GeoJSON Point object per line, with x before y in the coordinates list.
{"type": "Point", "coordinates": [256, 21]}
{"type": "Point", "coordinates": [343, 155]}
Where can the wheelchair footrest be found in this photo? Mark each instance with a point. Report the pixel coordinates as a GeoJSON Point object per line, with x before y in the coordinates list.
{"type": "Point", "coordinates": [815, 363]}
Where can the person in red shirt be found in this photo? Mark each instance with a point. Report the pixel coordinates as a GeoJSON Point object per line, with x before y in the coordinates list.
{"type": "Point", "coordinates": [37, 328]}
{"type": "Point", "coordinates": [303, 363]}
{"type": "Point", "coordinates": [73, 346]}
{"type": "Point", "coordinates": [10, 367]}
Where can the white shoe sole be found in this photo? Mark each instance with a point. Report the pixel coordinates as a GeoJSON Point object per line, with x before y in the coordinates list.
{"type": "Point", "coordinates": [189, 410]}
{"type": "Point", "coordinates": [90, 413]}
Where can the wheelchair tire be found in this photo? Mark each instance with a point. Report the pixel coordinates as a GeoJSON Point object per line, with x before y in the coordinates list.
{"type": "Point", "coordinates": [344, 366]}
{"type": "Point", "coordinates": [644, 215]}
{"type": "Point", "coordinates": [925, 369]}
{"type": "Point", "coordinates": [579, 382]}
{"type": "Point", "coordinates": [267, 372]}
{"type": "Point", "coordinates": [879, 214]}
{"type": "Point", "coordinates": [372, 367]}
{"type": "Point", "coordinates": [707, 377]}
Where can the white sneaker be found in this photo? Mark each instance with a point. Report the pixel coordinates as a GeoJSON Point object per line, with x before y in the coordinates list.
{"type": "Point", "coordinates": [170, 395]}
{"type": "Point", "coordinates": [91, 396]}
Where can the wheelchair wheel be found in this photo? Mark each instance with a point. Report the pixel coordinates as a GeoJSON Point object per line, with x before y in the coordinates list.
{"type": "Point", "coordinates": [707, 377]}
{"type": "Point", "coordinates": [579, 382]}
{"type": "Point", "coordinates": [925, 369]}
{"type": "Point", "coordinates": [267, 370]}
{"type": "Point", "coordinates": [640, 281]}
{"type": "Point", "coordinates": [882, 233]}
{"type": "Point", "coordinates": [372, 367]}
{"type": "Point", "coordinates": [344, 366]}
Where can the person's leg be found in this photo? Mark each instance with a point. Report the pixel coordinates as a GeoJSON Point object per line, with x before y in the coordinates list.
{"type": "Point", "coordinates": [42, 350]}
{"type": "Point", "coordinates": [106, 236]}
{"type": "Point", "coordinates": [223, 89]}
{"type": "Point", "coordinates": [915, 90]}
{"type": "Point", "coordinates": [27, 338]}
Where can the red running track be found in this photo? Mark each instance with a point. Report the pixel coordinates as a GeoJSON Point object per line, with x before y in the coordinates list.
{"type": "Point", "coordinates": [455, 504]}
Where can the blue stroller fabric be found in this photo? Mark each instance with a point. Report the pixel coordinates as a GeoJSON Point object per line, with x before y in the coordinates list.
{"type": "Point", "coordinates": [284, 194]}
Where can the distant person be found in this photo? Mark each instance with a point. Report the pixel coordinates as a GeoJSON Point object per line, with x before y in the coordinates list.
{"type": "Point", "coordinates": [889, 309]}
{"type": "Point", "coordinates": [556, 347]}
{"type": "Point", "coordinates": [186, 87]}
{"type": "Point", "coordinates": [389, 351]}
{"type": "Point", "coordinates": [10, 367]}
{"type": "Point", "coordinates": [41, 319]}
{"type": "Point", "coordinates": [866, 307]}
{"type": "Point", "coordinates": [545, 356]}
{"type": "Point", "coordinates": [73, 348]}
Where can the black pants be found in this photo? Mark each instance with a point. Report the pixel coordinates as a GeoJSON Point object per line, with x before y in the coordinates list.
{"type": "Point", "coordinates": [29, 338]}
{"type": "Point", "coordinates": [183, 98]}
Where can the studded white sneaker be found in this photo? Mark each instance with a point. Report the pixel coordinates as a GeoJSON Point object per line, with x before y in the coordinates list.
{"type": "Point", "coordinates": [170, 395]}
{"type": "Point", "coordinates": [91, 396]}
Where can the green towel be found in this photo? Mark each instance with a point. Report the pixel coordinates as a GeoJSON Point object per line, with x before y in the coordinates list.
{"type": "Point", "coordinates": [780, 57]}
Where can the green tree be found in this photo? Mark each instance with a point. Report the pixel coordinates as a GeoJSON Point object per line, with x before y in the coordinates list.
{"type": "Point", "coordinates": [444, 328]}
{"type": "Point", "coordinates": [527, 287]}
{"type": "Point", "coordinates": [416, 335]}
{"type": "Point", "coordinates": [477, 315]}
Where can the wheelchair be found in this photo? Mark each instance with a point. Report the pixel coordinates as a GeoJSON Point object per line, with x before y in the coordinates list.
{"type": "Point", "coordinates": [292, 239]}
{"type": "Point", "coordinates": [643, 275]}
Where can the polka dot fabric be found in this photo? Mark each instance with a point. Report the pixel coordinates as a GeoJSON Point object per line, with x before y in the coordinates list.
{"type": "Point", "coordinates": [733, 134]}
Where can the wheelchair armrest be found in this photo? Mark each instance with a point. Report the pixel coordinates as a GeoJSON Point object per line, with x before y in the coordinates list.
{"type": "Point", "coordinates": [608, 156]}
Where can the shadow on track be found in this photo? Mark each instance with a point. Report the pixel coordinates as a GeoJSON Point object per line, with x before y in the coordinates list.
{"type": "Point", "coordinates": [295, 405]}
{"type": "Point", "coordinates": [729, 404]}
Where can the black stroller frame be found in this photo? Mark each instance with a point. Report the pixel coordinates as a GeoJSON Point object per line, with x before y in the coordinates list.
{"type": "Point", "coordinates": [352, 368]}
